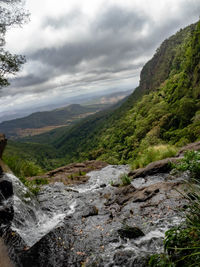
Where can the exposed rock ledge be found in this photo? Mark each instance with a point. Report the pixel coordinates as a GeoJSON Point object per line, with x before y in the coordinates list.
{"type": "Point", "coordinates": [74, 173]}
{"type": "Point", "coordinates": [163, 166]}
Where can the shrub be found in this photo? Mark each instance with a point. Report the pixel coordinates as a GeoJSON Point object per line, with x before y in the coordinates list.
{"type": "Point", "coordinates": [191, 162]}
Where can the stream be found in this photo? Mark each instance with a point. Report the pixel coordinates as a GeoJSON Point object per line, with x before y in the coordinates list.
{"type": "Point", "coordinates": [87, 219]}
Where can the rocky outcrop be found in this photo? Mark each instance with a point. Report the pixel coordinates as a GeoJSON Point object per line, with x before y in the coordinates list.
{"type": "Point", "coordinates": [74, 173]}
{"type": "Point", "coordinates": [160, 166]}
{"type": "Point", "coordinates": [6, 204]}
{"type": "Point", "coordinates": [106, 226]}
{"type": "Point", "coordinates": [3, 142]}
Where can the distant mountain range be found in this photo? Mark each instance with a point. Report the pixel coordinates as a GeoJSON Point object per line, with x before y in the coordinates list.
{"type": "Point", "coordinates": [44, 121]}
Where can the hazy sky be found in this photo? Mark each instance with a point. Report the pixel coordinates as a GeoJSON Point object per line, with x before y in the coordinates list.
{"type": "Point", "coordinates": [79, 46]}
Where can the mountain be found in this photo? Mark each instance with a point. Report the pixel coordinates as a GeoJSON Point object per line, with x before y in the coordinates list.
{"type": "Point", "coordinates": [164, 110]}
{"type": "Point", "coordinates": [58, 117]}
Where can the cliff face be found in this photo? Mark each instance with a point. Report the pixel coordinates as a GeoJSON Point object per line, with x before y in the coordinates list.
{"type": "Point", "coordinates": [157, 70]}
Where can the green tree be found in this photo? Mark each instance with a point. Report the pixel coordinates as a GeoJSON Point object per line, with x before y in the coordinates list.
{"type": "Point", "coordinates": [11, 14]}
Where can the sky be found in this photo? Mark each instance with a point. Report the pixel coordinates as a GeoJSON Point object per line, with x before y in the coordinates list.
{"type": "Point", "coordinates": [80, 47]}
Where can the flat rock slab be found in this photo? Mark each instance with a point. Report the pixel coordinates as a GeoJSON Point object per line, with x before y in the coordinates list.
{"type": "Point", "coordinates": [71, 174]}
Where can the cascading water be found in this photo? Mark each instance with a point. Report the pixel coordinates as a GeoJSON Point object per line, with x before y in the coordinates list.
{"type": "Point", "coordinates": [29, 221]}
{"type": "Point", "coordinates": [96, 211]}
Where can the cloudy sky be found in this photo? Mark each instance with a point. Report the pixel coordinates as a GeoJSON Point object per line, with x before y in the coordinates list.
{"type": "Point", "coordinates": [77, 47]}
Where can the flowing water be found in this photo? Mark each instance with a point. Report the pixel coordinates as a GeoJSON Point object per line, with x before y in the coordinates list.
{"type": "Point", "coordinates": [35, 217]}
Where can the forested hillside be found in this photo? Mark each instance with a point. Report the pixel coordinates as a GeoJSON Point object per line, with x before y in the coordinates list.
{"type": "Point", "coordinates": [164, 111]}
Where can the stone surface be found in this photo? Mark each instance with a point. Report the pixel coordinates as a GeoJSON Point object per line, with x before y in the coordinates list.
{"type": "Point", "coordinates": [3, 142]}
{"type": "Point", "coordinates": [130, 232]}
{"type": "Point", "coordinates": [74, 173]}
{"type": "Point", "coordinates": [6, 203]}
{"type": "Point", "coordinates": [161, 166]}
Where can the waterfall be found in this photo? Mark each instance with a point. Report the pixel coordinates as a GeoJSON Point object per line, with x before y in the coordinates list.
{"type": "Point", "coordinates": [30, 221]}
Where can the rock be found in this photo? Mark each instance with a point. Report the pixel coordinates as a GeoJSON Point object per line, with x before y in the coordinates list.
{"type": "Point", "coordinates": [6, 203]}
{"type": "Point", "coordinates": [91, 211]}
{"type": "Point", "coordinates": [130, 232]}
{"type": "Point", "coordinates": [6, 189]}
{"type": "Point", "coordinates": [121, 195]}
{"type": "Point", "coordinates": [5, 261]}
{"type": "Point", "coordinates": [3, 142]}
{"type": "Point", "coordinates": [161, 166]}
{"type": "Point", "coordinates": [71, 174]}
{"type": "Point", "coordinates": [193, 146]}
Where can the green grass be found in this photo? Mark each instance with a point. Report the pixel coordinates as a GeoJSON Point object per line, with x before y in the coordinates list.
{"type": "Point", "coordinates": [153, 153]}
{"type": "Point", "coordinates": [125, 180]}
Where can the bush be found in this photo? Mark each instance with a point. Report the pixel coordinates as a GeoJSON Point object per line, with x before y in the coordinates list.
{"type": "Point", "coordinates": [191, 162]}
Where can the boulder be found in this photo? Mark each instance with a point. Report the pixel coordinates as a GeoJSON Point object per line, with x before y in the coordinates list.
{"type": "Point", "coordinates": [130, 232]}
{"type": "Point", "coordinates": [160, 166]}
{"type": "Point", "coordinates": [3, 142]}
{"type": "Point", "coordinates": [6, 203]}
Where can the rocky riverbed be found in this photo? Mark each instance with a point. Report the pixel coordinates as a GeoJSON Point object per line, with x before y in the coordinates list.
{"type": "Point", "coordinates": [93, 224]}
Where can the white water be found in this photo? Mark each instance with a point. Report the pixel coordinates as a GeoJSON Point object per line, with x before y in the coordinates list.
{"type": "Point", "coordinates": [105, 176]}
{"type": "Point", "coordinates": [30, 222]}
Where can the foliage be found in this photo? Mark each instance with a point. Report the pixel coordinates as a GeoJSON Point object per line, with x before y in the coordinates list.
{"type": "Point", "coordinates": [11, 14]}
{"type": "Point", "coordinates": [191, 162]}
{"type": "Point", "coordinates": [22, 168]}
{"type": "Point", "coordinates": [153, 153]}
{"type": "Point", "coordinates": [160, 260]}
{"type": "Point", "coordinates": [125, 179]}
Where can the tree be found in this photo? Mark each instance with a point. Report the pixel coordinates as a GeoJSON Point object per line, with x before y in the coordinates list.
{"type": "Point", "coordinates": [11, 14]}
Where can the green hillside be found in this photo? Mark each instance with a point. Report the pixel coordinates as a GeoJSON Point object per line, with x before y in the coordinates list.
{"type": "Point", "coordinates": [163, 112]}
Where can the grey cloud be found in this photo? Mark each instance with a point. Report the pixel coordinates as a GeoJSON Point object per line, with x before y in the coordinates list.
{"type": "Point", "coordinates": [28, 80]}
{"type": "Point", "coordinates": [113, 42]}
{"type": "Point", "coordinates": [64, 21]}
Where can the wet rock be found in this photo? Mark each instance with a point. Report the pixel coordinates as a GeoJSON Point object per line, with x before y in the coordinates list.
{"type": "Point", "coordinates": [90, 211]}
{"type": "Point", "coordinates": [121, 195]}
{"type": "Point", "coordinates": [161, 166]}
{"type": "Point", "coordinates": [71, 174]}
{"type": "Point", "coordinates": [3, 142]}
{"type": "Point", "coordinates": [130, 232]}
{"type": "Point", "coordinates": [6, 203]}
{"type": "Point", "coordinates": [6, 189]}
